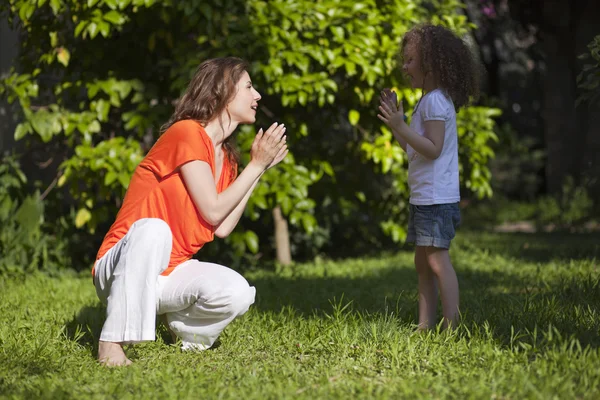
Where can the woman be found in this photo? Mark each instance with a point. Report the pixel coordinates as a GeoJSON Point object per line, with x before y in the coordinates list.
{"type": "Point", "coordinates": [183, 193]}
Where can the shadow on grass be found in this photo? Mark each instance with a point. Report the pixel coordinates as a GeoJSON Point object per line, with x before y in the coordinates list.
{"type": "Point", "coordinates": [506, 302]}
{"type": "Point", "coordinates": [511, 304]}
{"type": "Point", "coordinates": [533, 247]}
{"type": "Point", "coordinates": [85, 327]}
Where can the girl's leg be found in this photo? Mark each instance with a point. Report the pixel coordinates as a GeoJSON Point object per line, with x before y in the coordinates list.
{"type": "Point", "coordinates": [427, 289]}
{"type": "Point", "coordinates": [125, 279]}
{"type": "Point", "coordinates": [439, 261]}
{"type": "Point", "coordinates": [200, 299]}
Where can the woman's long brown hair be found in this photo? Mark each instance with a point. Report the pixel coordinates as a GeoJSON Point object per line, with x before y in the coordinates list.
{"type": "Point", "coordinates": [213, 86]}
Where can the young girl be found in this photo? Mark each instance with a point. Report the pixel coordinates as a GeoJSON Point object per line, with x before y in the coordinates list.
{"type": "Point", "coordinates": [440, 63]}
{"type": "Point", "coordinates": [183, 193]}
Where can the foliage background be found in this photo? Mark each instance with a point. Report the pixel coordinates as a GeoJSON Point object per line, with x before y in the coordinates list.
{"type": "Point", "coordinates": [94, 81]}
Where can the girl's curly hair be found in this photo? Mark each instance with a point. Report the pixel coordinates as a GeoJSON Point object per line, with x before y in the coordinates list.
{"type": "Point", "coordinates": [448, 59]}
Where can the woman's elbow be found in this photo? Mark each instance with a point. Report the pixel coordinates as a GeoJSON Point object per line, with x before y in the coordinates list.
{"type": "Point", "coordinates": [212, 219]}
{"type": "Point", "coordinates": [210, 215]}
{"type": "Point", "coordinates": [222, 233]}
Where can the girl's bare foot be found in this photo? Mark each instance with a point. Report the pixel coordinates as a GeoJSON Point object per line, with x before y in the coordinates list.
{"type": "Point", "coordinates": [111, 354]}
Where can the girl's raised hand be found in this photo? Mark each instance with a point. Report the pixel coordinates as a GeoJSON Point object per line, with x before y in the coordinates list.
{"type": "Point", "coordinates": [391, 111]}
{"type": "Point", "coordinates": [269, 146]}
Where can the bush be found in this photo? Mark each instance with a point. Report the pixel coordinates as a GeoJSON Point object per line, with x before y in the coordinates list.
{"type": "Point", "coordinates": [570, 210]}
{"type": "Point", "coordinates": [25, 244]}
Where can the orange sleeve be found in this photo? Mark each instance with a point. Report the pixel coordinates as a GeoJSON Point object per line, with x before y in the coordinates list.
{"type": "Point", "coordinates": [183, 142]}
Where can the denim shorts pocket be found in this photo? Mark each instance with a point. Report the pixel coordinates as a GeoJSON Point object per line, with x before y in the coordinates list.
{"type": "Point", "coordinates": [423, 220]}
{"type": "Point", "coordinates": [451, 221]}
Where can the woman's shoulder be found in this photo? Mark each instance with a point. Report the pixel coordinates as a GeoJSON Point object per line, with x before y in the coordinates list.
{"type": "Point", "coordinates": [181, 142]}
{"type": "Point", "coordinates": [184, 126]}
{"type": "Point", "coordinates": [185, 131]}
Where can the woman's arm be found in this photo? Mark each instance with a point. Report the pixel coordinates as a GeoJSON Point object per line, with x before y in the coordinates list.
{"type": "Point", "coordinates": [229, 224]}
{"type": "Point", "coordinates": [198, 178]}
{"type": "Point", "coordinates": [215, 207]}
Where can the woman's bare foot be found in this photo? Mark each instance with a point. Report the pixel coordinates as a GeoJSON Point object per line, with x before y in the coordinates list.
{"type": "Point", "coordinates": [111, 354]}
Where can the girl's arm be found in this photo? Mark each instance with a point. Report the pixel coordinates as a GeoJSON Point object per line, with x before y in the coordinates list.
{"type": "Point", "coordinates": [389, 98]}
{"type": "Point", "coordinates": [429, 145]}
{"type": "Point", "coordinates": [399, 138]}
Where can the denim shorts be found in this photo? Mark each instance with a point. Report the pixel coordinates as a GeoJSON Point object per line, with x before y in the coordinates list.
{"type": "Point", "coordinates": [433, 225]}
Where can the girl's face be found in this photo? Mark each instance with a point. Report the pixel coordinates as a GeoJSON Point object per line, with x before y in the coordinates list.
{"type": "Point", "coordinates": [412, 65]}
{"type": "Point", "coordinates": [242, 108]}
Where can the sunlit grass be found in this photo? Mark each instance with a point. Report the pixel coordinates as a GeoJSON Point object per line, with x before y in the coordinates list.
{"type": "Point", "coordinates": [345, 329]}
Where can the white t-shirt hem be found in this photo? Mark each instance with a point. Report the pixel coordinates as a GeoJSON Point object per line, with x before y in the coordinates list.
{"type": "Point", "coordinates": [429, 202]}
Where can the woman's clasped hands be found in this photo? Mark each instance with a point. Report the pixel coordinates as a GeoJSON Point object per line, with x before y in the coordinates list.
{"type": "Point", "coordinates": [270, 147]}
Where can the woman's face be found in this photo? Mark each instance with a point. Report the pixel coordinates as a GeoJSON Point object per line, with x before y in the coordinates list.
{"type": "Point", "coordinates": [242, 108]}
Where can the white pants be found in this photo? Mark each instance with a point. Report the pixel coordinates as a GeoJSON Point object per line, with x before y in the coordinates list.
{"type": "Point", "coordinates": [199, 299]}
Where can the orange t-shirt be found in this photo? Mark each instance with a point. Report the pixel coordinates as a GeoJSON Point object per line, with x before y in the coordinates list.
{"type": "Point", "coordinates": [157, 190]}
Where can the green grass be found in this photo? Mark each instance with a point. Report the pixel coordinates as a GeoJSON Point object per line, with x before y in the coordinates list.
{"type": "Point", "coordinates": [340, 329]}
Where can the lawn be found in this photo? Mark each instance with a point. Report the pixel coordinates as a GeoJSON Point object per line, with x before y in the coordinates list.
{"type": "Point", "coordinates": [343, 329]}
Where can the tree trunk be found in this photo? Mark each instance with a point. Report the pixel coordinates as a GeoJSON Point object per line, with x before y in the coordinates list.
{"type": "Point", "coordinates": [589, 163]}
{"type": "Point", "coordinates": [9, 44]}
{"type": "Point", "coordinates": [282, 238]}
{"type": "Point", "coordinates": [572, 135]}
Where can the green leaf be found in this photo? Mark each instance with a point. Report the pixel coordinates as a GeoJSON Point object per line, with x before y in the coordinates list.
{"type": "Point", "coordinates": [63, 56]}
{"type": "Point", "coordinates": [92, 29]}
{"type": "Point", "coordinates": [309, 223]}
{"type": "Point", "coordinates": [124, 180]}
{"type": "Point", "coordinates": [110, 178]}
{"type": "Point", "coordinates": [286, 205]}
{"type": "Point", "coordinates": [353, 117]}
{"type": "Point", "coordinates": [260, 201]}
{"type": "Point", "coordinates": [80, 27]}
{"type": "Point", "coordinates": [338, 33]}
{"type": "Point", "coordinates": [102, 107]}
{"type": "Point", "coordinates": [114, 17]}
{"type": "Point", "coordinates": [56, 5]}
{"type": "Point", "coordinates": [22, 129]}
{"type": "Point", "coordinates": [62, 180]}
{"type": "Point", "coordinates": [251, 240]}
{"type": "Point", "coordinates": [302, 98]}
{"type": "Point", "coordinates": [82, 217]}
{"type": "Point", "coordinates": [53, 39]}
{"type": "Point", "coordinates": [104, 28]}
{"type": "Point", "coordinates": [94, 127]}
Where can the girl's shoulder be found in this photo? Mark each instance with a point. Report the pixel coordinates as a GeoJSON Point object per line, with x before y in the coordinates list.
{"type": "Point", "coordinates": [438, 96]}
{"type": "Point", "coordinates": [436, 104]}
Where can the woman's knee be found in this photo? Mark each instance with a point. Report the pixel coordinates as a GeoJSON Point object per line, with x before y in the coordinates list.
{"type": "Point", "coordinates": [153, 230]}
{"type": "Point", "coordinates": [238, 302]}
